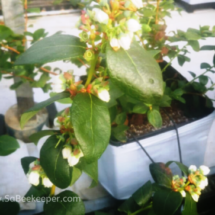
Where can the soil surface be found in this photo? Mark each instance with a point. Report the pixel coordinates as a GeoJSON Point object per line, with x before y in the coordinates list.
{"type": "Point", "coordinates": [139, 125]}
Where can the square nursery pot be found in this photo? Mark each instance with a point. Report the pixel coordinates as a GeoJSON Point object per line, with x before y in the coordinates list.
{"type": "Point", "coordinates": [123, 168]}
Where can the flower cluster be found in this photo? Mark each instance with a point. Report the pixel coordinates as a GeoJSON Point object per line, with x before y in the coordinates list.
{"type": "Point", "coordinates": [72, 152]}
{"type": "Point", "coordinates": [195, 182]}
{"type": "Point", "coordinates": [35, 173]}
{"type": "Point", "coordinates": [115, 23]}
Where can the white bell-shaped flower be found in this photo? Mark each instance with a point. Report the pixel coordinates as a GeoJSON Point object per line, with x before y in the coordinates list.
{"type": "Point", "coordinates": [100, 16]}
{"type": "Point", "coordinates": [34, 178]}
{"type": "Point", "coordinates": [203, 183]}
{"type": "Point", "coordinates": [66, 152]}
{"type": "Point", "coordinates": [205, 170]}
{"type": "Point", "coordinates": [73, 160]}
{"type": "Point", "coordinates": [125, 41]}
{"type": "Point", "coordinates": [183, 193]}
{"type": "Point", "coordinates": [133, 25]}
{"type": "Point", "coordinates": [58, 84]}
{"type": "Point", "coordinates": [104, 95]}
{"type": "Point", "coordinates": [31, 165]}
{"type": "Point", "coordinates": [192, 168]}
{"type": "Point", "coordinates": [195, 197]}
{"type": "Point", "coordinates": [114, 43]}
{"type": "Point", "coordinates": [137, 3]}
{"type": "Point", "coordinates": [47, 182]}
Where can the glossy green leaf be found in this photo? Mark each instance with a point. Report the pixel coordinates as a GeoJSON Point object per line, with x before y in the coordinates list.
{"type": "Point", "coordinates": [182, 167]}
{"type": "Point", "coordinates": [165, 101]}
{"type": "Point", "coordinates": [38, 191]}
{"type": "Point", "coordinates": [120, 118]}
{"type": "Point", "coordinates": [192, 34]}
{"type": "Point", "coordinates": [154, 118]}
{"type": "Point", "coordinates": [76, 173]}
{"type": "Point", "coordinates": [119, 133]}
{"type": "Point", "coordinates": [5, 32]}
{"type": "Point", "coordinates": [37, 136]}
{"type": "Point", "coordinates": [9, 208]}
{"type": "Point", "coordinates": [129, 206]}
{"type": "Point", "coordinates": [140, 108]}
{"type": "Point", "coordinates": [161, 174]}
{"type": "Point", "coordinates": [54, 48]}
{"type": "Point", "coordinates": [203, 79]}
{"type": "Point", "coordinates": [136, 73]}
{"type": "Point", "coordinates": [166, 201]}
{"type": "Point", "coordinates": [207, 48]}
{"type": "Point", "coordinates": [68, 203]}
{"type": "Point", "coordinates": [91, 169]}
{"type": "Point", "coordinates": [8, 145]}
{"type": "Point", "coordinates": [33, 111]}
{"type": "Point", "coordinates": [194, 44]}
{"type": "Point", "coordinates": [91, 122]}
{"type": "Point", "coordinates": [56, 168]}
{"type": "Point", "coordinates": [143, 194]}
{"type": "Point", "coordinates": [189, 206]}
{"type": "Point", "coordinates": [205, 65]}
{"type": "Point", "coordinates": [26, 162]}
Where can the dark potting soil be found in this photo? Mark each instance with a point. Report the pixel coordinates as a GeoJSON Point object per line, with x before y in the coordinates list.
{"type": "Point", "coordinates": [139, 125]}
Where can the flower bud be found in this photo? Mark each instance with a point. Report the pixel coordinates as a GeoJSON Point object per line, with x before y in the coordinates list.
{"type": "Point", "coordinates": [89, 55]}
{"type": "Point", "coordinates": [192, 168]}
{"type": "Point", "coordinates": [47, 182]}
{"type": "Point", "coordinates": [204, 169]}
{"type": "Point", "coordinates": [84, 36]}
{"type": "Point", "coordinates": [183, 193]}
{"type": "Point", "coordinates": [195, 197]}
{"type": "Point", "coordinates": [100, 16]}
{"type": "Point", "coordinates": [56, 122]}
{"type": "Point", "coordinates": [114, 43]}
{"type": "Point", "coordinates": [31, 165]}
{"type": "Point", "coordinates": [73, 160]}
{"type": "Point", "coordinates": [59, 84]}
{"type": "Point", "coordinates": [104, 95]}
{"type": "Point", "coordinates": [114, 5]}
{"type": "Point", "coordinates": [137, 3]}
{"type": "Point", "coordinates": [66, 152]}
{"type": "Point", "coordinates": [133, 25]}
{"type": "Point", "coordinates": [34, 178]}
{"type": "Point", "coordinates": [125, 41]}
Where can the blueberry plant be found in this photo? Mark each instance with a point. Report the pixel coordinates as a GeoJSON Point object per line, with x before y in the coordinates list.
{"type": "Point", "coordinates": [122, 77]}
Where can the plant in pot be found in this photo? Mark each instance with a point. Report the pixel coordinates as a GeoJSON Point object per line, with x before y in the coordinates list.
{"type": "Point", "coordinates": [118, 70]}
{"type": "Point", "coordinates": [13, 41]}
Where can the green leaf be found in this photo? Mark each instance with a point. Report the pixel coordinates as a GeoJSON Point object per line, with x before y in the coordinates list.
{"type": "Point", "coordinates": [140, 108]}
{"type": "Point", "coordinates": [208, 48]}
{"type": "Point", "coordinates": [194, 44]}
{"type": "Point", "coordinates": [68, 203]}
{"type": "Point", "coordinates": [38, 191]}
{"type": "Point", "coordinates": [203, 79]}
{"type": "Point", "coordinates": [189, 206]}
{"type": "Point", "coordinates": [91, 169]}
{"type": "Point", "coordinates": [129, 206]}
{"type": "Point", "coordinates": [154, 118]}
{"type": "Point", "coordinates": [76, 173]}
{"type": "Point", "coordinates": [192, 34]}
{"type": "Point", "coordinates": [9, 208]}
{"type": "Point", "coordinates": [119, 133]}
{"type": "Point", "coordinates": [143, 194]}
{"type": "Point", "coordinates": [62, 101]}
{"type": "Point", "coordinates": [54, 48]}
{"type": "Point", "coordinates": [56, 168]}
{"type": "Point", "coordinates": [165, 101]}
{"type": "Point", "coordinates": [153, 53]}
{"type": "Point", "coordinates": [182, 167]}
{"type": "Point", "coordinates": [120, 118]}
{"type": "Point", "coordinates": [136, 73]}
{"type": "Point", "coordinates": [91, 122]}
{"type": "Point", "coordinates": [16, 85]}
{"type": "Point", "coordinates": [26, 162]}
{"type": "Point", "coordinates": [166, 201]}
{"type": "Point", "coordinates": [182, 59]}
{"type": "Point", "coordinates": [193, 74]}
{"type": "Point", "coordinates": [205, 65]}
{"type": "Point", "coordinates": [5, 32]}
{"type": "Point", "coordinates": [161, 174]}
{"type": "Point", "coordinates": [37, 136]}
{"type": "Point", "coordinates": [34, 10]}
{"type": "Point", "coordinates": [33, 111]}
{"type": "Point", "coordinates": [8, 145]}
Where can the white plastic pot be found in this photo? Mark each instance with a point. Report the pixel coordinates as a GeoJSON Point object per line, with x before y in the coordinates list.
{"type": "Point", "coordinates": [124, 169]}
{"type": "Point", "coordinates": [194, 2]}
